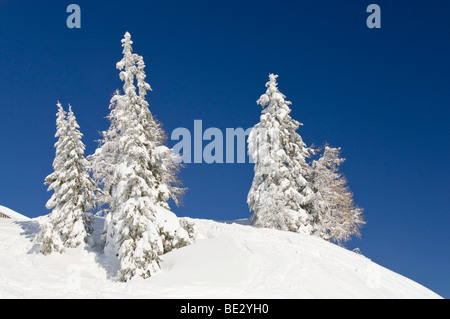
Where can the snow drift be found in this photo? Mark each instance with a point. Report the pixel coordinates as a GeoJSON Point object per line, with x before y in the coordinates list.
{"type": "Point", "coordinates": [227, 260]}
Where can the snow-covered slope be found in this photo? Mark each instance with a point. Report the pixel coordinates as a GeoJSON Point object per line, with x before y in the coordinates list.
{"type": "Point", "coordinates": [226, 261]}
{"type": "Point", "coordinates": [12, 214]}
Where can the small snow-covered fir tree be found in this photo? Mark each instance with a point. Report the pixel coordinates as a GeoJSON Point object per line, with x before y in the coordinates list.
{"type": "Point", "coordinates": [337, 216]}
{"type": "Point", "coordinates": [137, 173]}
{"type": "Point", "coordinates": [69, 223]}
{"type": "Point", "coordinates": [280, 196]}
{"type": "Point", "coordinates": [105, 157]}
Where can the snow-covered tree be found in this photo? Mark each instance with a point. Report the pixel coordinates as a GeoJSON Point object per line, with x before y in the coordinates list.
{"type": "Point", "coordinates": [337, 216]}
{"type": "Point", "coordinates": [106, 157]}
{"type": "Point", "coordinates": [69, 223]}
{"type": "Point", "coordinates": [280, 196]}
{"type": "Point", "coordinates": [137, 173]}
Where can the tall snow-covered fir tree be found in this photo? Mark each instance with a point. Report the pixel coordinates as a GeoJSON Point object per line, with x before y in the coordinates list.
{"type": "Point", "coordinates": [69, 223]}
{"type": "Point", "coordinates": [337, 216]}
{"type": "Point", "coordinates": [280, 196]}
{"type": "Point", "coordinates": [137, 174]}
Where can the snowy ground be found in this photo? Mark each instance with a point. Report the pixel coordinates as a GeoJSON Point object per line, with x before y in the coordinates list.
{"type": "Point", "coordinates": [226, 261]}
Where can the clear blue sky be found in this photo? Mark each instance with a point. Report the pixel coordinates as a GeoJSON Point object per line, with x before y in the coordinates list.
{"type": "Point", "coordinates": [383, 95]}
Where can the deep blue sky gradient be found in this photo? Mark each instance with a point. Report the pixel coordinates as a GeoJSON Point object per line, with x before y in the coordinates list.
{"type": "Point", "coordinates": [383, 95]}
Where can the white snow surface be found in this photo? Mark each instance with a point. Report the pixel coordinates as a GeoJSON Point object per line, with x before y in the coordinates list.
{"type": "Point", "coordinates": [227, 260]}
{"type": "Point", "coordinates": [12, 214]}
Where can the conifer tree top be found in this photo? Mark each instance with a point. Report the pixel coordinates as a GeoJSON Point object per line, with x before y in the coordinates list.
{"type": "Point", "coordinates": [273, 97]}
